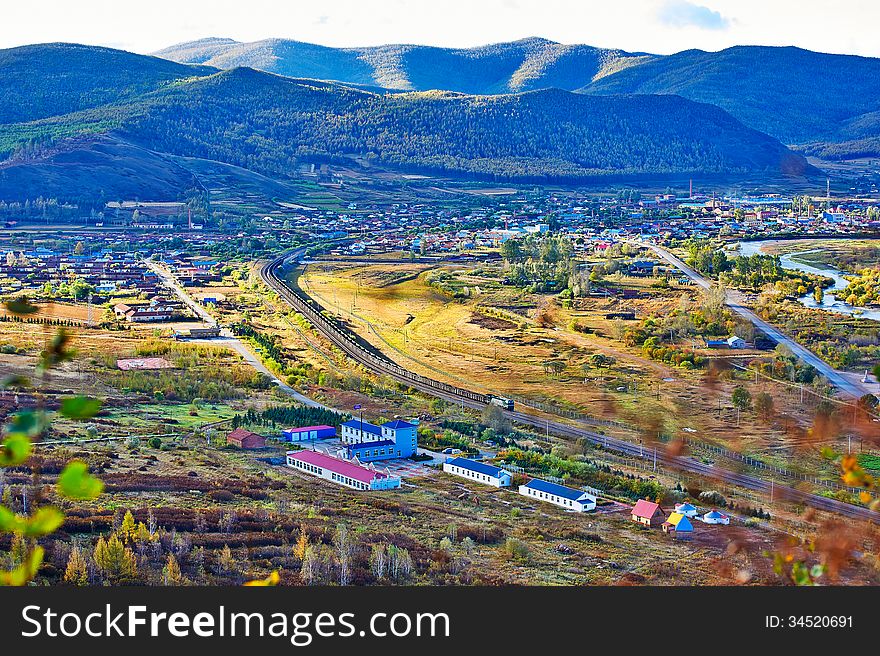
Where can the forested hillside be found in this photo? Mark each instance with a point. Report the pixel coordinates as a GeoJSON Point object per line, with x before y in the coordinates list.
{"type": "Point", "coordinates": [60, 78]}
{"type": "Point", "coordinates": [795, 95]}
{"type": "Point", "coordinates": [268, 123]}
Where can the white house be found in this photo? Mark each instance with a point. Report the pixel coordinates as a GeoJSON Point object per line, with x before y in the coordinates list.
{"type": "Point", "coordinates": [715, 517]}
{"type": "Point", "coordinates": [478, 471]}
{"type": "Point", "coordinates": [560, 495]}
{"type": "Point", "coordinates": [686, 509]}
{"type": "Point", "coordinates": [736, 342]}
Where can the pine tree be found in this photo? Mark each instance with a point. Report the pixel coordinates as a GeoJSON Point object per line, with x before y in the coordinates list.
{"type": "Point", "coordinates": [128, 529]}
{"type": "Point", "coordinates": [299, 549]}
{"type": "Point", "coordinates": [114, 560]}
{"type": "Point", "coordinates": [172, 573]}
{"type": "Point", "coordinates": [77, 572]}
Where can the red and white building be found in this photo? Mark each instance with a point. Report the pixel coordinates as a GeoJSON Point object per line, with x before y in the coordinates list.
{"type": "Point", "coordinates": [342, 472]}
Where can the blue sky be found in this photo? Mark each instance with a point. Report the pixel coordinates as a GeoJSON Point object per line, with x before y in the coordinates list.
{"type": "Point", "coordinates": [660, 26]}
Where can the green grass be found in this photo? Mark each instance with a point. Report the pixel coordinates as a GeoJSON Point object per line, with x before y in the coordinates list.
{"type": "Point", "coordinates": [176, 415]}
{"type": "Point", "coordinates": [869, 461]}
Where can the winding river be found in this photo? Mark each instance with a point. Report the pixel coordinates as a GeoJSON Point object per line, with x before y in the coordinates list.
{"type": "Point", "coordinates": [830, 302]}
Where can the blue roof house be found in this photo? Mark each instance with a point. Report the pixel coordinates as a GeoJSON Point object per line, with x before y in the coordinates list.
{"type": "Point", "coordinates": [480, 472]}
{"type": "Point", "coordinates": [560, 495]}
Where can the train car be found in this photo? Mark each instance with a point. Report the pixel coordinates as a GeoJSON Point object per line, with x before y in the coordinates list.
{"type": "Point", "coordinates": [501, 402]}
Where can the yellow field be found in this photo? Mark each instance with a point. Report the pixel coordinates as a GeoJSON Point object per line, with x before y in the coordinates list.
{"type": "Point", "coordinates": [453, 341]}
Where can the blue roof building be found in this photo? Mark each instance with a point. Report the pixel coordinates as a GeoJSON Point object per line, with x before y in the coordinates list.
{"type": "Point", "coordinates": [395, 439]}
{"type": "Point", "coordinates": [478, 471]}
{"type": "Point", "coordinates": [560, 495]}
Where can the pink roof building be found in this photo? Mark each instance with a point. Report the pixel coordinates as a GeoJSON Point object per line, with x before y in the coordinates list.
{"type": "Point", "coordinates": [342, 472]}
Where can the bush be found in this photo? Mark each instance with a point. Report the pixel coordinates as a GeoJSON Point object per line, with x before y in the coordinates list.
{"type": "Point", "coordinates": [221, 496]}
{"type": "Point", "coordinates": [515, 549]}
{"type": "Point", "coordinates": [155, 443]}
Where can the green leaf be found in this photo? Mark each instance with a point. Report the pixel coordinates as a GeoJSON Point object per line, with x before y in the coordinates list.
{"type": "Point", "coordinates": [56, 351]}
{"type": "Point", "coordinates": [27, 422]}
{"type": "Point", "coordinates": [21, 306]}
{"type": "Point", "coordinates": [43, 521]}
{"type": "Point", "coordinates": [80, 407]}
{"type": "Point", "coordinates": [14, 381]}
{"type": "Point", "coordinates": [24, 572]}
{"type": "Point", "coordinates": [10, 522]}
{"type": "Point", "coordinates": [75, 482]}
{"type": "Point", "coordinates": [15, 450]}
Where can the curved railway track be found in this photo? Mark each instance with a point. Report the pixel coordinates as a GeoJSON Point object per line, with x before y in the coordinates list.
{"type": "Point", "coordinates": [370, 357]}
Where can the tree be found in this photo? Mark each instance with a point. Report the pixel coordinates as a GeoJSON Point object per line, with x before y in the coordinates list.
{"type": "Point", "coordinates": [128, 530]}
{"type": "Point", "coordinates": [114, 560]}
{"type": "Point", "coordinates": [344, 548]}
{"type": "Point", "coordinates": [79, 249]}
{"type": "Point", "coordinates": [171, 573]}
{"type": "Point", "coordinates": [77, 572]}
{"type": "Point", "coordinates": [764, 405]}
{"type": "Point", "coordinates": [511, 251]}
{"type": "Point", "coordinates": [493, 417]}
{"type": "Point", "coordinates": [741, 398]}
{"type": "Point", "coordinates": [819, 295]}
{"type": "Point", "coordinates": [302, 544]}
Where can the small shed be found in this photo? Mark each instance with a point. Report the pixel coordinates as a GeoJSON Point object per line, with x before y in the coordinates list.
{"type": "Point", "coordinates": [677, 523]}
{"type": "Point", "coordinates": [244, 439]}
{"type": "Point", "coordinates": [648, 513]}
{"type": "Point", "coordinates": [715, 517]}
{"type": "Point", "coordinates": [686, 509]}
{"type": "Point", "coordinates": [305, 433]}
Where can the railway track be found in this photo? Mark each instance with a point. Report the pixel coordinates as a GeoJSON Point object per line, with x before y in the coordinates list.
{"type": "Point", "coordinates": [376, 361]}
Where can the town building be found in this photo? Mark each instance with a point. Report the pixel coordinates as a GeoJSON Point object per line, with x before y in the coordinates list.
{"type": "Point", "coordinates": [307, 433]}
{"type": "Point", "coordinates": [342, 472]}
{"type": "Point", "coordinates": [560, 495]}
{"type": "Point", "coordinates": [478, 471]}
{"type": "Point", "coordinates": [244, 439]}
{"type": "Point", "coordinates": [367, 442]}
{"type": "Point", "coordinates": [648, 513]}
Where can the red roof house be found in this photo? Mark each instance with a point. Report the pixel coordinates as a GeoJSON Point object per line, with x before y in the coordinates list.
{"type": "Point", "coordinates": [244, 439]}
{"type": "Point", "coordinates": [648, 513]}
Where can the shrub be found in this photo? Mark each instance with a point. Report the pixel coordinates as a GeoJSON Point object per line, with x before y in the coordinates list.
{"type": "Point", "coordinates": [221, 496]}
{"type": "Point", "coordinates": [515, 549]}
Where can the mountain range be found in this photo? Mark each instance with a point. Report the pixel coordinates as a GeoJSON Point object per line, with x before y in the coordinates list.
{"type": "Point", "coordinates": [795, 95]}
{"type": "Point", "coordinates": [94, 122]}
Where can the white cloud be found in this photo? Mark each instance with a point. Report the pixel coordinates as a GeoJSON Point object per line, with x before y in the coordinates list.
{"type": "Point", "coordinates": [687, 14]}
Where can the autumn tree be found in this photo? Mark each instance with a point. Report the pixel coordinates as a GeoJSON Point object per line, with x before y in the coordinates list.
{"type": "Point", "coordinates": [114, 560]}
{"type": "Point", "coordinates": [77, 572]}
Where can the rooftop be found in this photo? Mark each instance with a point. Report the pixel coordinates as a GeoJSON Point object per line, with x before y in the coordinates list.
{"type": "Point", "coordinates": [342, 467]}
{"type": "Point", "coordinates": [476, 466]}
{"type": "Point", "coordinates": [558, 490]}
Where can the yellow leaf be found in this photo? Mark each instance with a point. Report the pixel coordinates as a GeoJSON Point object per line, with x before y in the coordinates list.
{"type": "Point", "coordinates": [273, 579]}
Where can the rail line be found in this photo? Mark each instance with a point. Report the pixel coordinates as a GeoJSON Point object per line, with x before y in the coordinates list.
{"type": "Point", "coordinates": [370, 357]}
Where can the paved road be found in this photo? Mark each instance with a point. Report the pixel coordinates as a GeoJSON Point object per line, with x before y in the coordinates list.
{"type": "Point", "coordinates": [169, 279]}
{"type": "Point", "coordinates": [735, 301]}
{"type": "Point", "coordinates": [227, 338]}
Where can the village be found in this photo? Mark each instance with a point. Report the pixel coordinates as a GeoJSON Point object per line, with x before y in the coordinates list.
{"type": "Point", "coordinates": [363, 456]}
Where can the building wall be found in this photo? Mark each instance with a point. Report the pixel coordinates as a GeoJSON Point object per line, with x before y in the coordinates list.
{"type": "Point", "coordinates": [562, 502]}
{"type": "Point", "coordinates": [455, 470]}
{"type": "Point", "coordinates": [301, 436]}
{"type": "Point", "coordinates": [388, 483]}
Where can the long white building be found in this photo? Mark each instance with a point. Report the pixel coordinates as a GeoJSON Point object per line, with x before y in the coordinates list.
{"type": "Point", "coordinates": [478, 471]}
{"type": "Point", "coordinates": [559, 495]}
